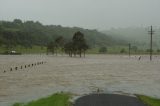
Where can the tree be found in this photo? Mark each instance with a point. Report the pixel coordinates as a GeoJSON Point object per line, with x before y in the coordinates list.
{"type": "Point", "coordinates": [103, 50]}
{"type": "Point", "coordinates": [59, 43]}
{"type": "Point", "coordinates": [17, 21]}
{"type": "Point", "coordinates": [123, 51]}
{"type": "Point", "coordinates": [68, 48]}
{"type": "Point", "coordinates": [79, 43]}
{"type": "Point", "coordinates": [9, 39]}
{"type": "Point", "coordinates": [85, 47]}
{"type": "Point", "coordinates": [50, 48]}
{"type": "Point", "coordinates": [158, 50]}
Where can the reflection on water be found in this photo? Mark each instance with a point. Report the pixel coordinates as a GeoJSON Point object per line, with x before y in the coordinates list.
{"type": "Point", "coordinates": [110, 73]}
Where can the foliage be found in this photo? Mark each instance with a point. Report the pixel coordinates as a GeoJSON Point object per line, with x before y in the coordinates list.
{"type": "Point", "coordinates": [123, 51]}
{"type": "Point", "coordinates": [158, 50]}
{"type": "Point", "coordinates": [77, 45]}
{"type": "Point", "coordinates": [68, 48]}
{"type": "Point", "coordinates": [103, 50]}
{"type": "Point", "coordinates": [50, 47]}
{"type": "Point", "coordinates": [18, 104]}
{"type": "Point", "coordinates": [59, 43]}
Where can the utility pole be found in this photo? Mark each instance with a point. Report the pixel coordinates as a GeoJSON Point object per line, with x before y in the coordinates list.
{"type": "Point", "coordinates": [129, 51]}
{"type": "Point", "coordinates": [151, 32]}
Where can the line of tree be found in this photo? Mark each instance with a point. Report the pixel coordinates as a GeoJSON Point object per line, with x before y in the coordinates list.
{"type": "Point", "coordinates": [54, 46]}
{"type": "Point", "coordinates": [77, 45]}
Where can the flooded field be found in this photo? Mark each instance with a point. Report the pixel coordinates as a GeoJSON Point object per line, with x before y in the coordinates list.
{"type": "Point", "coordinates": [109, 73]}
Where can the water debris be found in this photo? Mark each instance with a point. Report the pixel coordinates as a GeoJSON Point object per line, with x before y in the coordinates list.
{"type": "Point", "coordinates": [16, 68]}
{"type": "Point", "coordinates": [21, 67]}
{"type": "Point", "coordinates": [139, 58]}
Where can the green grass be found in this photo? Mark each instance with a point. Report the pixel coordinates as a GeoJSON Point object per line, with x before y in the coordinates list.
{"type": "Point", "coordinates": [110, 50]}
{"type": "Point", "coordinates": [39, 50]}
{"type": "Point", "coordinates": [59, 99]}
{"type": "Point", "coordinates": [23, 50]}
{"type": "Point", "coordinates": [117, 49]}
{"type": "Point", "coordinates": [149, 101]}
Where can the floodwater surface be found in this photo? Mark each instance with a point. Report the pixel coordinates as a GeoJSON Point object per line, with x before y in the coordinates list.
{"type": "Point", "coordinates": [109, 73]}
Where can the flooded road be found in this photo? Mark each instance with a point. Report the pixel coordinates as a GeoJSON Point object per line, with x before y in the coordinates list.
{"type": "Point", "coordinates": [109, 73]}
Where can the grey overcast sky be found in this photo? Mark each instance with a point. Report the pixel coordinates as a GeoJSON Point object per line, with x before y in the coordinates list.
{"type": "Point", "coordinates": [91, 14]}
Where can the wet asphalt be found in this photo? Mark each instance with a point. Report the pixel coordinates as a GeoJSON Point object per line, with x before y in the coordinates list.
{"type": "Point", "coordinates": [108, 100]}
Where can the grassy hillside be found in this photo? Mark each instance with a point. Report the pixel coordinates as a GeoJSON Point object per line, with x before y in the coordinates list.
{"type": "Point", "coordinates": [29, 33]}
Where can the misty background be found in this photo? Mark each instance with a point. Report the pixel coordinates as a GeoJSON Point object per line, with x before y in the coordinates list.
{"type": "Point", "coordinates": [91, 14]}
{"type": "Point", "coordinates": [127, 20]}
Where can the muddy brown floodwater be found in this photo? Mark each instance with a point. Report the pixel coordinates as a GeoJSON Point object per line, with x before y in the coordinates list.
{"type": "Point", "coordinates": [109, 73]}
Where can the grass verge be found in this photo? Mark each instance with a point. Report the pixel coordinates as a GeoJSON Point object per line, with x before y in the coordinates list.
{"type": "Point", "coordinates": [59, 99]}
{"type": "Point", "coordinates": [149, 101]}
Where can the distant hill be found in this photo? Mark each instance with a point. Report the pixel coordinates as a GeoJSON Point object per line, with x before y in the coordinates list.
{"type": "Point", "coordinates": [31, 33]}
{"type": "Point", "coordinates": [137, 36]}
